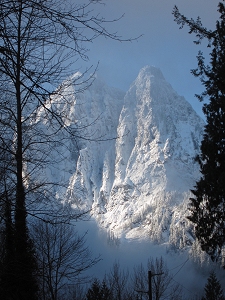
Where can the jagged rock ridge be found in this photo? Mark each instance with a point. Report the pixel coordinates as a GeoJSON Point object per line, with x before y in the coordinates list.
{"type": "Point", "coordinates": [137, 184]}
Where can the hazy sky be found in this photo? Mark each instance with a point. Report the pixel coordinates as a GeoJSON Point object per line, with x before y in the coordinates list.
{"type": "Point", "coordinates": [162, 45]}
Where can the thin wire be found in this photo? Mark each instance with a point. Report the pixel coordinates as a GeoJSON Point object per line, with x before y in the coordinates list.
{"type": "Point", "coordinates": [191, 292]}
{"type": "Point", "coordinates": [185, 288]}
{"type": "Point", "coordinates": [181, 267]}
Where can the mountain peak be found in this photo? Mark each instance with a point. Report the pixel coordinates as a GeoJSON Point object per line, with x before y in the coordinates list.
{"type": "Point", "coordinates": [150, 71]}
{"type": "Point", "coordinates": [138, 183]}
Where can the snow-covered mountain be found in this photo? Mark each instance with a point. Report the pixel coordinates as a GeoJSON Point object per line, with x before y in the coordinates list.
{"type": "Point", "coordinates": [137, 165]}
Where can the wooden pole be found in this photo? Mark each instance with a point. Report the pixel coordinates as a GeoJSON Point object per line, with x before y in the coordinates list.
{"type": "Point", "coordinates": [149, 292]}
{"type": "Point", "coordinates": [150, 285]}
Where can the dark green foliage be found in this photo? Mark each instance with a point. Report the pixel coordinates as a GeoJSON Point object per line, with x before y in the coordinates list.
{"type": "Point", "coordinates": [105, 291]}
{"type": "Point", "coordinates": [98, 291]}
{"type": "Point", "coordinates": [7, 268]}
{"type": "Point", "coordinates": [207, 210]}
{"type": "Point", "coordinates": [18, 266]}
{"type": "Point", "coordinates": [94, 292]}
{"type": "Point", "coordinates": [213, 290]}
{"type": "Point", "coordinates": [25, 263]}
{"type": "Point", "coordinates": [208, 206]}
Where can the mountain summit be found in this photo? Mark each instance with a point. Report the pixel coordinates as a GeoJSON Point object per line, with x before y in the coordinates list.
{"type": "Point", "coordinates": [137, 179]}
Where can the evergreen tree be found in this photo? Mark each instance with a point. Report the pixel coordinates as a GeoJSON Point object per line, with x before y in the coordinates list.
{"type": "Point", "coordinates": [213, 290]}
{"type": "Point", "coordinates": [7, 271]}
{"type": "Point", "coordinates": [105, 291]}
{"type": "Point", "coordinates": [207, 210]}
{"type": "Point", "coordinates": [98, 291]}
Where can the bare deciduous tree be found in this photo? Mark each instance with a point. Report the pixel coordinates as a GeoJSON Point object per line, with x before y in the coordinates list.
{"type": "Point", "coordinates": [163, 285]}
{"type": "Point", "coordinates": [40, 42]}
{"type": "Point", "coordinates": [62, 256]}
{"type": "Point", "coordinates": [118, 282]}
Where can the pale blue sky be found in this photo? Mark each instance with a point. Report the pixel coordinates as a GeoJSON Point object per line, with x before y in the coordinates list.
{"type": "Point", "coordinates": [162, 44]}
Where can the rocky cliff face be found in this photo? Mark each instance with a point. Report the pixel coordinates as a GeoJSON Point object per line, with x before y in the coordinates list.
{"type": "Point", "coordinates": [158, 138]}
{"type": "Point", "coordinates": [137, 166]}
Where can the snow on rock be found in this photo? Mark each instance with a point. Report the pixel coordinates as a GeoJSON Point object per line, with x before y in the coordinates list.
{"type": "Point", "coordinates": [137, 166]}
{"type": "Point", "coordinates": [158, 139]}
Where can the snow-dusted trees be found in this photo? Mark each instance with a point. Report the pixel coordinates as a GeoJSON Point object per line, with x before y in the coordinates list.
{"type": "Point", "coordinates": [207, 210]}
{"type": "Point", "coordinates": [39, 43]}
